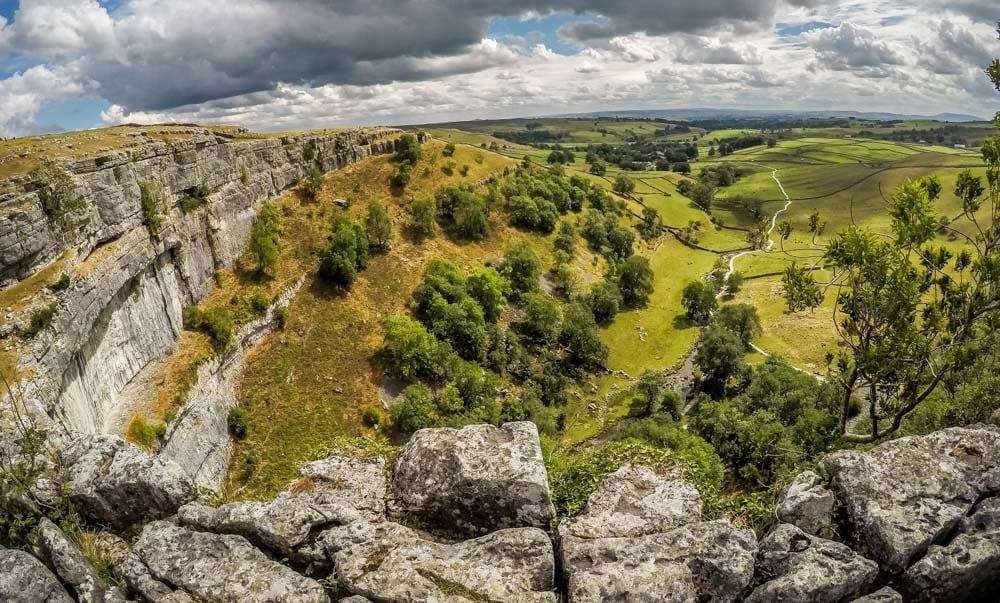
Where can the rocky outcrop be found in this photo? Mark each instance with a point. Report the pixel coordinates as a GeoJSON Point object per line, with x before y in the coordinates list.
{"type": "Point", "coordinates": [23, 579]}
{"type": "Point", "coordinates": [794, 566]}
{"type": "Point", "coordinates": [641, 538]}
{"type": "Point", "coordinates": [72, 569]}
{"type": "Point", "coordinates": [392, 563]}
{"type": "Point", "coordinates": [472, 480]}
{"type": "Point", "coordinates": [211, 567]}
{"type": "Point", "coordinates": [904, 495]}
{"type": "Point", "coordinates": [882, 595]}
{"type": "Point", "coordinates": [129, 286]}
{"type": "Point", "coordinates": [336, 491]}
{"type": "Point", "coordinates": [117, 484]}
{"type": "Point", "coordinates": [808, 505]}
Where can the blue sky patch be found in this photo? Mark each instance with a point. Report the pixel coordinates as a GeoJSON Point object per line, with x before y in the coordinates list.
{"type": "Point", "coordinates": [543, 29]}
{"type": "Point", "coordinates": [791, 30]}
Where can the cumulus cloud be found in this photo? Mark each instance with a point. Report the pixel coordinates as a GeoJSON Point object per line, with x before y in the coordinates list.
{"type": "Point", "coordinates": [713, 52]}
{"type": "Point", "coordinates": [22, 95]}
{"type": "Point", "coordinates": [852, 48]}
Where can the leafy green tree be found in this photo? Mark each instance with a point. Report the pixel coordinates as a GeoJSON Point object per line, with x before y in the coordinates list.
{"type": "Point", "coordinates": [449, 400]}
{"type": "Point", "coordinates": [521, 267]}
{"type": "Point", "coordinates": [598, 168]}
{"type": "Point", "coordinates": [566, 239]}
{"type": "Point", "coordinates": [651, 224]}
{"type": "Point", "coordinates": [415, 410]}
{"type": "Point", "coordinates": [564, 278]}
{"type": "Point", "coordinates": [702, 195]}
{"type": "Point", "coordinates": [466, 211]}
{"type": "Point", "coordinates": [411, 350]}
{"type": "Point", "coordinates": [378, 226]}
{"type": "Point", "coordinates": [699, 301]}
{"type": "Point", "coordinates": [408, 150]}
{"type": "Point", "coordinates": [605, 301]}
{"type": "Point", "coordinates": [312, 183]}
{"type": "Point", "coordinates": [346, 252]}
{"type": "Point", "coordinates": [816, 226]}
{"type": "Point", "coordinates": [650, 388]}
{"type": "Point", "coordinates": [265, 238]}
{"type": "Point", "coordinates": [581, 339]}
{"type": "Point", "coordinates": [620, 242]}
{"type": "Point", "coordinates": [800, 289]}
{"type": "Point", "coordinates": [719, 357]}
{"type": "Point", "coordinates": [784, 231]}
{"type": "Point", "coordinates": [635, 281]}
{"type": "Point", "coordinates": [448, 150]}
{"type": "Point", "coordinates": [423, 218]}
{"type": "Point", "coordinates": [490, 289]}
{"type": "Point", "coordinates": [741, 319]}
{"type": "Point", "coordinates": [734, 282]}
{"type": "Point", "coordinates": [623, 185]}
{"type": "Point", "coordinates": [539, 318]}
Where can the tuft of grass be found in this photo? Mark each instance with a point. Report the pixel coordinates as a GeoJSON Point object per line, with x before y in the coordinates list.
{"type": "Point", "coordinates": [145, 434]}
{"type": "Point", "coordinates": [40, 320]}
{"type": "Point", "coordinates": [453, 589]}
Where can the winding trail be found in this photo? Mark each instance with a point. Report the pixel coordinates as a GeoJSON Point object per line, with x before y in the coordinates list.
{"type": "Point", "coordinates": [774, 223]}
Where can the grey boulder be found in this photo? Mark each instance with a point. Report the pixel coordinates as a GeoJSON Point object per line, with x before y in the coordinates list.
{"type": "Point", "coordinates": [168, 558]}
{"type": "Point", "coordinates": [965, 569]}
{"type": "Point", "coordinates": [905, 494]}
{"type": "Point", "coordinates": [795, 566]}
{"type": "Point", "coordinates": [24, 579]}
{"type": "Point", "coordinates": [73, 570]}
{"type": "Point", "coordinates": [389, 562]}
{"type": "Point", "coordinates": [117, 484]}
{"type": "Point", "coordinates": [635, 501]}
{"type": "Point", "coordinates": [882, 595]}
{"type": "Point", "coordinates": [808, 505]}
{"type": "Point", "coordinates": [472, 480]}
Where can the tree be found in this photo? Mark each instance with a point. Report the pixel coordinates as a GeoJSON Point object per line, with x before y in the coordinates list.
{"type": "Point", "coordinates": [620, 241]}
{"type": "Point", "coordinates": [539, 318]}
{"type": "Point", "coordinates": [702, 195]}
{"type": "Point", "coordinates": [635, 281]}
{"type": "Point", "coordinates": [816, 226]}
{"type": "Point", "coordinates": [800, 289]}
{"type": "Point", "coordinates": [699, 301]}
{"type": "Point", "coordinates": [605, 301]}
{"type": "Point", "coordinates": [566, 239]}
{"type": "Point", "coordinates": [651, 224]}
{"type": "Point", "coordinates": [651, 388]}
{"type": "Point", "coordinates": [408, 150]}
{"type": "Point", "coordinates": [623, 185]}
{"type": "Point", "coordinates": [423, 218]}
{"type": "Point", "coordinates": [521, 267]}
{"type": "Point", "coordinates": [490, 289]}
{"type": "Point", "coordinates": [734, 282]}
{"type": "Point", "coordinates": [378, 226]}
{"type": "Point", "coordinates": [598, 168]}
{"type": "Point", "coordinates": [265, 239]}
{"type": "Point", "coordinates": [784, 231]}
{"type": "Point", "coordinates": [719, 357]}
{"type": "Point", "coordinates": [448, 150]}
{"type": "Point", "coordinates": [412, 351]}
{"type": "Point", "coordinates": [312, 183]}
{"type": "Point", "coordinates": [415, 410]}
{"type": "Point", "coordinates": [581, 339]}
{"type": "Point", "coordinates": [346, 252]}
{"type": "Point", "coordinates": [741, 319]}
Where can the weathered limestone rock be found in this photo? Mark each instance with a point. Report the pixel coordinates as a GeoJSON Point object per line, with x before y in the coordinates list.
{"type": "Point", "coordinates": [23, 579]}
{"type": "Point", "coordinates": [905, 494]}
{"type": "Point", "coordinates": [967, 568]}
{"type": "Point", "coordinates": [472, 480]}
{"type": "Point", "coordinates": [798, 567]}
{"type": "Point", "coordinates": [331, 492]}
{"type": "Point", "coordinates": [120, 485]}
{"type": "Point", "coordinates": [355, 599]}
{"type": "Point", "coordinates": [883, 595]}
{"type": "Point", "coordinates": [635, 501]}
{"type": "Point", "coordinates": [710, 560]}
{"type": "Point", "coordinates": [73, 570]}
{"type": "Point", "coordinates": [392, 563]}
{"type": "Point", "coordinates": [212, 567]}
{"type": "Point", "coordinates": [808, 505]}
{"type": "Point", "coordinates": [641, 539]}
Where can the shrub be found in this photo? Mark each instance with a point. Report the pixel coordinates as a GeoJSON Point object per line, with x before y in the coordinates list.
{"type": "Point", "coordinates": [464, 170]}
{"type": "Point", "coordinates": [378, 226]}
{"type": "Point", "coordinates": [280, 316]}
{"type": "Point", "coordinates": [237, 422]}
{"type": "Point", "coordinates": [540, 318]}
{"type": "Point", "coordinates": [259, 303]}
{"type": "Point", "coordinates": [145, 434]}
{"type": "Point", "coordinates": [401, 177]}
{"type": "Point", "coordinates": [57, 193]}
{"type": "Point", "coordinates": [371, 416]}
{"type": "Point", "coordinates": [312, 183]}
{"type": "Point", "coordinates": [521, 267]}
{"type": "Point", "coordinates": [62, 284]}
{"type": "Point", "coordinates": [152, 200]}
{"type": "Point", "coordinates": [423, 218]}
{"type": "Point", "coordinates": [217, 323]}
{"type": "Point", "coordinates": [195, 198]}
{"type": "Point", "coordinates": [635, 281]}
{"type": "Point", "coordinates": [346, 252]}
{"type": "Point", "coordinates": [411, 350]}
{"type": "Point", "coordinates": [449, 149]}
{"type": "Point", "coordinates": [244, 174]}
{"type": "Point", "coordinates": [408, 149]}
{"type": "Point", "coordinates": [265, 240]}
{"type": "Point", "coordinates": [40, 320]}
{"type": "Point", "coordinates": [415, 410]}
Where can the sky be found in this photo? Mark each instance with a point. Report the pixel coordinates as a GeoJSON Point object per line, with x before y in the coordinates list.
{"type": "Point", "coordinates": [290, 64]}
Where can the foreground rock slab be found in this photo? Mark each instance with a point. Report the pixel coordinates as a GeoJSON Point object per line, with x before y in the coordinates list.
{"type": "Point", "coordinates": [24, 579]}
{"type": "Point", "coordinates": [905, 494]}
{"type": "Point", "coordinates": [212, 567]}
{"type": "Point", "coordinates": [472, 480]}
{"type": "Point", "coordinates": [389, 562]}
{"type": "Point", "coordinates": [967, 568]}
{"type": "Point", "coordinates": [808, 505]}
{"type": "Point", "coordinates": [117, 484]}
{"type": "Point", "coordinates": [882, 595]}
{"type": "Point", "coordinates": [73, 570]}
{"type": "Point", "coordinates": [798, 567]}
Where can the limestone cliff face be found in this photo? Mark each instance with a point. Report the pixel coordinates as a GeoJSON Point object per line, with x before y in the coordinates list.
{"type": "Point", "coordinates": [123, 309]}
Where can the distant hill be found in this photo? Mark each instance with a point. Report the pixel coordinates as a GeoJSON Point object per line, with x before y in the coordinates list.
{"type": "Point", "coordinates": [696, 114]}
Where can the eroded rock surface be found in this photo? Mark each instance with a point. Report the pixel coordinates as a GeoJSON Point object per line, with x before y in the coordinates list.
{"type": "Point", "coordinates": [472, 480]}
{"type": "Point", "coordinates": [116, 483]}
{"type": "Point", "coordinates": [808, 505]}
{"type": "Point", "coordinates": [24, 579]}
{"type": "Point", "coordinates": [905, 494]}
{"type": "Point", "coordinates": [212, 567]}
{"type": "Point", "coordinates": [392, 563]}
{"type": "Point", "coordinates": [882, 595]}
{"type": "Point", "coordinates": [72, 569]}
{"type": "Point", "coordinates": [795, 566]}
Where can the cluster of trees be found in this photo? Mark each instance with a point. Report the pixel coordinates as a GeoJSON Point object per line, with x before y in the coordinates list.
{"type": "Point", "coordinates": [534, 199]}
{"type": "Point", "coordinates": [729, 146]}
{"type": "Point", "coordinates": [560, 156]}
{"type": "Point", "coordinates": [408, 152]}
{"type": "Point", "coordinates": [530, 136]}
{"type": "Point", "coordinates": [351, 242]}
{"type": "Point", "coordinates": [488, 346]}
{"type": "Point", "coordinates": [636, 156]}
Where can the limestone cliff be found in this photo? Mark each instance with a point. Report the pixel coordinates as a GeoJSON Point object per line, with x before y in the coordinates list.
{"type": "Point", "coordinates": [129, 285]}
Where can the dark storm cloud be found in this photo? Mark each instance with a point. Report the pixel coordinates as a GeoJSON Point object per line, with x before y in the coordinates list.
{"type": "Point", "coordinates": [155, 55]}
